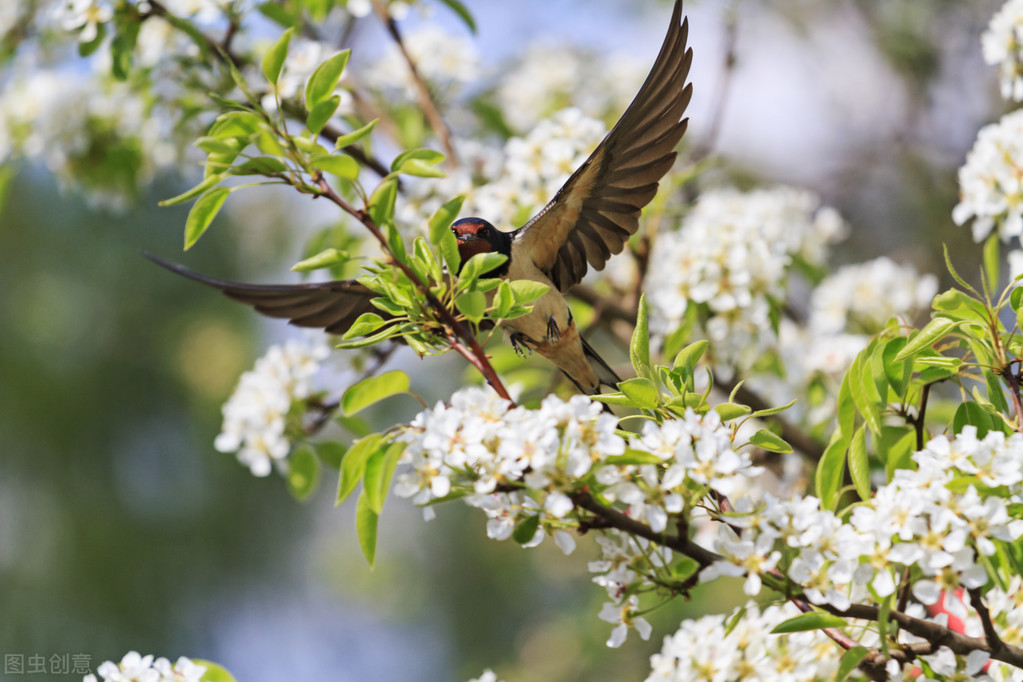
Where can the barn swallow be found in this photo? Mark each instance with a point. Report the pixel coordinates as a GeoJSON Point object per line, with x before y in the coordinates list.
{"type": "Point", "coordinates": [588, 220]}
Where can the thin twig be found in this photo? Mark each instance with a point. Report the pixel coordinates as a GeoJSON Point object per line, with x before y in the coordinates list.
{"type": "Point", "coordinates": [993, 640]}
{"type": "Point", "coordinates": [326, 409]}
{"type": "Point", "coordinates": [792, 434]}
{"type": "Point", "coordinates": [426, 102]}
{"type": "Point", "coordinates": [921, 413]}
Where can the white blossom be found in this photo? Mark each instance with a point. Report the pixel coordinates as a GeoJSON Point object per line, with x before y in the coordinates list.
{"type": "Point", "coordinates": [84, 16]}
{"type": "Point", "coordinates": [701, 650]}
{"type": "Point", "coordinates": [732, 255]}
{"type": "Point", "coordinates": [866, 295]}
{"type": "Point", "coordinates": [1002, 44]}
{"type": "Point", "coordinates": [991, 180]}
{"type": "Point", "coordinates": [137, 668]}
{"type": "Point", "coordinates": [255, 416]}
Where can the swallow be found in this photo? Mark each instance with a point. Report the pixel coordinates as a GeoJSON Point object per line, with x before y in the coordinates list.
{"type": "Point", "coordinates": [589, 219]}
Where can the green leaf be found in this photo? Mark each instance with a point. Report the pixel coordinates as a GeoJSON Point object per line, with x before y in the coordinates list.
{"type": "Point", "coordinates": [850, 660]}
{"type": "Point", "coordinates": [897, 447]}
{"type": "Point", "coordinates": [632, 457]}
{"type": "Point", "coordinates": [689, 356]}
{"type": "Point", "coordinates": [86, 49]}
{"type": "Point", "coordinates": [366, 524]}
{"type": "Point", "coordinates": [210, 181]}
{"type": "Point", "coordinates": [202, 214]}
{"type": "Point", "coordinates": [897, 372]}
{"type": "Point", "coordinates": [481, 264]}
{"type": "Point", "coordinates": [639, 346]}
{"type": "Point", "coordinates": [428, 156]}
{"type": "Point", "coordinates": [353, 466]}
{"type": "Point", "coordinates": [331, 452]}
{"type": "Point", "coordinates": [991, 260]}
{"type": "Point", "coordinates": [527, 291]}
{"type": "Point", "coordinates": [935, 329]}
{"type": "Point", "coordinates": [366, 323]}
{"type": "Point", "coordinates": [277, 13]}
{"type": "Point", "coordinates": [420, 169]}
{"type": "Point", "coordinates": [122, 47]}
{"type": "Point", "coordinates": [214, 672]}
{"type": "Point", "coordinates": [463, 13]}
{"type": "Point", "coordinates": [955, 275]}
{"type": "Point", "coordinates": [273, 60]}
{"type": "Point", "coordinates": [830, 470]}
{"type": "Point", "coordinates": [321, 113]}
{"type": "Point", "coordinates": [815, 620]}
{"type": "Point", "coordinates": [766, 440]}
{"type": "Point", "coordinates": [767, 412]}
{"type": "Point", "coordinates": [340, 165]}
{"type": "Point", "coordinates": [303, 473]}
{"type": "Point", "coordinates": [379, 472]}
{"type": "Point", "coordinates": [641, 391]}
{"type": "Point", "coordinates": [733, 621]}
{"type": "Point", "coordinates": [504, 301]}
{"type": "Point", "coordinates": [846, 407]}
{"type": "Point", "coordinates": [526, 529]}
{"type": "Point", "coordinates": [442, 236]}
{"type": "Point", "coordinates": [351, 138]}
{"type": "Point", "coordinates": [472, 304]}
{"type": "Point", "coordinates": [261, 165]}
{"type": "Point", "coordinates": [970, 413]}
{"type": "Point", "coordinates": [324, 259]}
{"type": "Point", "coordinates": [859, 466]}
{"type": "Point", "coordinates": [372, 390]}
{"type": "Point", "coordinates": [864, 392]}
{"type": "Point", "coordinates": [730, 411]}
{"type": "Point", "coordinates": [381, 203]}
{"type": "Point", "coordinates": [324, 79]}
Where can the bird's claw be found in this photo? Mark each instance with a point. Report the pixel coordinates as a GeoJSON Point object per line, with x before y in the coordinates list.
{"type": "Point", "coordinates": [553, 332]}
{"type": "Point", "coordinates": [519, 345]}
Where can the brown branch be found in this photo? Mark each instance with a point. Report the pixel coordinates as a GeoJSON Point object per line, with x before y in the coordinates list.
{"type": "Point", "coordinates": [617, 519]}
{"type": "Point", "coordinates": [937, 635]}
{"type": "Point", "coordinates": [460, 337]}
{"type": "Point", "coordinates": [993, 640]}
{"type": "Point", "coordinates": [918, 423]}
{"type": "Point", "coordinates": [426, 102]}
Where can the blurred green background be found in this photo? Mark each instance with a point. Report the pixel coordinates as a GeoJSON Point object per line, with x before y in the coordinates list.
{"type": "Point", "coordinates": [121, 528]}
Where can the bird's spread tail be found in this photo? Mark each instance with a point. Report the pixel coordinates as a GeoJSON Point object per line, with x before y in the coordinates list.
{"type": "Point", "coordinates": [605, 375]}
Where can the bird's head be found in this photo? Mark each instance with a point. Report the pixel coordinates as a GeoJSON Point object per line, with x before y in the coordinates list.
{"type": "Point", "coordinates": [476, 235]}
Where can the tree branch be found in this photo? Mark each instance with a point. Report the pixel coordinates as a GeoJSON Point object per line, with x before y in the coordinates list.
{"type": "Point", "coordinates": [426, 102]}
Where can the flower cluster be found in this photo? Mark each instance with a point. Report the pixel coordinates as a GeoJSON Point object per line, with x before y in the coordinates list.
{"type": "Point", "coordinates": [991, 181]}
{"type": "Point", "coordinates": [75, 125]}
{"type": "Point", "coordinates": [513, 183]}
{"type": "Point", "coordinates": [865, 296]}
{"type": "Point", "coordinates": [724, 649]}
{"type": "Point", "coordinates": [920, 519]}
{"type": "Point", "coordinates": [732, 255]}
{"type": "Point", "coordinates": [522, 466]}
{"type": "Point", "coordinates": [845, 308]}
{"type": "Point", "coordinates": [1002, 44]}
{"type": "Point", "coordinates": [256, 415]}
{"type": "Point", "coordinates": [136, 668]}
{"type": "Point", "coordinates": [550, 77]}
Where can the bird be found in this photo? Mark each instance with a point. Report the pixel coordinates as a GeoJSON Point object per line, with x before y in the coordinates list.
{"type": "Point", "coordinates": [589, 219]}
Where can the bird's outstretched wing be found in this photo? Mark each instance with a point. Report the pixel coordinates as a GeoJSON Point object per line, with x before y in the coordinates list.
{"type": "Point", "coordinates": [333, 306]}
{"type": "Point", "coordinates": [595, 212]}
